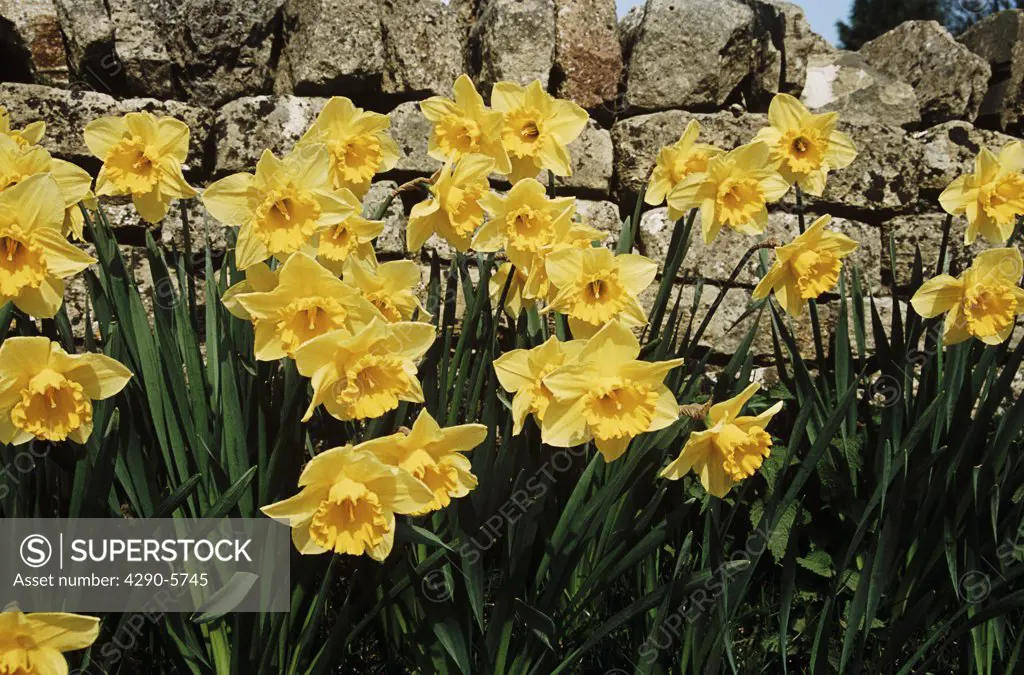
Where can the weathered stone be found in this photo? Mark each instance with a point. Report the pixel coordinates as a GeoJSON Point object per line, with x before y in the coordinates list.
{"type": "Point", "coordinates": [123, 217]}
{"type": "Point", "coordinates": [514, 41]}
{"type": "Point", "coordinates": [31, 43]}
{"type": "Point", "coordinates": [791, 36]}
{"type": "Point", "coordinates": [924, 231]}
{"type": "Point", "coordinates": [637, 140]}
{"type": "Point", "coordinates": [846, 83]}
{"type": "Point", "coordinates": [349, 49]}
{"type": "Point", "coordinates": [66, 114]}
{"type": "Point", "coordinates": [588, 59]}
{"type": "Point", "coordinates": [223, 50]}
{"type": "Point", "coordinates": [423, 45]}
{"type": "Point", "coordinates": [950, 81]}
{"type": "Point", "coordinates": [999, 39]}
{"type": "Point", "coordinates": [411, 131]}
{"type": "Point", "coordinates": [717, 262]}
{"type": "Point", "coordinates": [885, 176]}
{"type": "Point", "coordinates": [89, 40]}
{"type": "Point", "coordinates": [592, 159]}
{"type": "Point", "coordinates": [603, 216]}
{"type": "Point", "coordinates": [690, 53]}
{"type": "Point", "coordinates": [948, 151]}
{"type": "Point", "coordinates": [141, 49]}
{"type": "Point", "coordinates": [248, 126]}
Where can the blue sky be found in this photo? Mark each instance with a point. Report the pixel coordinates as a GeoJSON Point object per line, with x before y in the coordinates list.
{"type": "Point", "coordinates": [822, 14]}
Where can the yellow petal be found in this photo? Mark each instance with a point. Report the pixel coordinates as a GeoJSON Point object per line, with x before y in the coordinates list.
{"type": "Point", "coordinates": [636, 272]}
{"type": "Point", "coordinates": [62, 632]}
{"type": "Point", "coordinates": [785, 112]}
{"type": "Point", "coordinates": [103, 133]}
{"type": "Point", "coordinates": [937, 295]}
{"type": "Point", "coordinates": [730, 409]}
{"type": "Point", "coordinates": [100, 376]}
{"type": "Point", "coordinates": [1004, 264]}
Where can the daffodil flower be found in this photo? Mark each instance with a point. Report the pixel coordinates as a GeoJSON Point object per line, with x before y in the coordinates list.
{"type": "Point", "coordinates": [46, 393]}
{"type": "Point", "coordinates": [358, 143]}
{"type": "Point", "coordinates": [596, 286]}
{"type": "Point", "coordinates": [142, 157]}
{"type": "Point", "coordinates": [982, 302]}
{"type": "Point", "coordinates": [34, 644]}
{"type": "Point", "coordinates": [805, 146]}
{"type": "Point", "coordinates": [735, 191]}
{"type": "Point", "coordinates": [351, 238]}
{"type": "Point", "coordinates": [538, 128]}
{"type": "Point", "coordinates": [806, 267]}
{"type": "Point", "coordinates": [730, 450]}
{"type": "Point", "coordinates": [568, 234]}
{"type": "Point", "coordinates": [307, 302]}
{"type": "Point", "coordinates": [434, 456]}
{"type": "Point", "coordinates": [281, 207]}
{"type": "Point", "coordinates": [35, 257]}
{"type": "Point", "coordinates": [365, 375]}
{"type": "Point", "coordinates": [19, 162]}
{"type": "Point", "coordinates": [525, 219]}
{"type": "Point", "coordinates": [453, 209]}
{"type": "Point", "coordinates": [522, 372]}
{"type": "Point", "coordinates": [607, 395]}
{"type": "Point", "coordinates": [684, 158]}
{"type": "Point", "coordinates": [992, 197]}
{"type": "Point", "coordinates": [31, 134]}
{"type": "Point", "coordinates": [388, 286]}
{"type": "Point", "coordinates": [348, 503]}
{"type": "Point", "coordinates": [465, 126]}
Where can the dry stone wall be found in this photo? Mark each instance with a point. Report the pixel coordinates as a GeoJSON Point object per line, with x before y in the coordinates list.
{"type": "Point", "coordinates": [253, 74]}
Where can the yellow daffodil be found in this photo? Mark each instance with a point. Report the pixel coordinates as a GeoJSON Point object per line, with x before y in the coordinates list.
{"type": "Point", "coordinates": [365, 375]}
{"type": "Point", "coordinates": [358, 142]}
{"type": "Point", "coordinates": [607, 395]}
{"type": "Point", "coordinates": [389, 286]}
{"type": "Point", "coordinates": [351, 238]}
{"type": "Point", "coordinates": [731, 449]}
{"type": "Point", "coordinates": [538, 127]}
{"type": "Point", "coordinates": [46, 393]}
{"type": "Point", "coordinates": [31, 134]}
{"type": "Point", "coordinates": [452, 210]}
{"type": "Point", "coordinates": [34, 644]}
{"type": "Point", "coordinates": [525, 219]}
{"type": "Point", "coordinates": [522, 372]}
{"type": "Point", "coordinates": [806, 267]}
{"type": "Point", "coordinates": [35, 257]}
{"type": "Point", "coordinates": [515, 301]}
{"type": "Point", "coordinates": [569, 234]}
{"type": "Point", "coordinates": [805, 146]}
{"type": "Point", "coordinates": [465, 126]}
{"type": "Point", "coordinates": [307, 302]}
{"type": "Point", "coordinates": [348, 503]}
{"type": "Point", "coordinates": [596, 286]}
{"type": "Point", "coordinates": [434, 456]}
{"type": "Point", "coordinates": [258, 279]}
{"type": "Point", "coordinates": [983, 302]}
{"type": "Point", "coordinates": [282, 207]}
{"type": "Point", "coordinates": [684, 158]}
{"type": "Point", "coordinates": [735, 191]}
{"type": "Point", "coordinates": [992, 197]}
{"type": "Point", "coordinates": [19, 162]}
{"type": "Point", "coordinates": [142, 156]}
